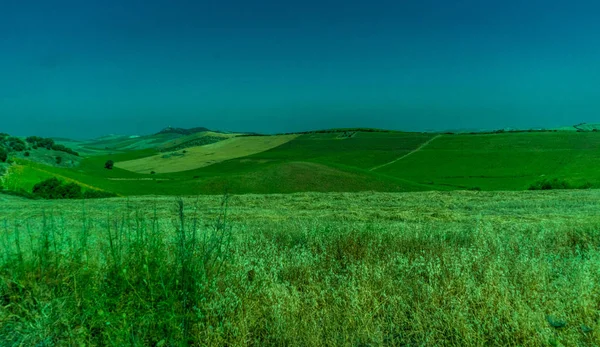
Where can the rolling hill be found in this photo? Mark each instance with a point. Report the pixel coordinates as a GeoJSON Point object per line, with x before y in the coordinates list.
{"type": "Point", "coordinates": [335, 160]}
{"type": "Point", "coordinates": [201, 156]}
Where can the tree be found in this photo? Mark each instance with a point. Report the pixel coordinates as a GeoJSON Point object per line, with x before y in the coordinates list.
{"type": "Point", "coordinates": [3, 155]}
{"type": "Point", "coordinates": [58, 160]}
{"type": "Point", "coordinates": [109, 165]}
{"type": "Point", "coordinates": [53, 188]}
{"type": "Point", "coordinates": [69, 191]}
{"type": "Point", "coordinates": [47, 189]}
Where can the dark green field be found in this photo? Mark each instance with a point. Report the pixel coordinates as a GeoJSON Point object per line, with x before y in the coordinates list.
{"type": "Point", "coordinates": [341, 161]}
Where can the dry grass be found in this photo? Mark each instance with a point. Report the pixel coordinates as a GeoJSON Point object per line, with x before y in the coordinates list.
{"type": "Point", "coordinates": [368, 269]}
{"type": "Point", "coordinates": [201, 156]}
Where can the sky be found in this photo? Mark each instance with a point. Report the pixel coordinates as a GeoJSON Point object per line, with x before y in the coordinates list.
{"type": "Point", "coordinates": [82, 69]}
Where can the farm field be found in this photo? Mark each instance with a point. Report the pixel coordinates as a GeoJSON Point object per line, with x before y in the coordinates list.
{"type": "Point", "coordinates": [364, 150]}
{"type": "Point", "coordinates": [337, 161]}
{"type": "Point", "coordinates": [502, 161]}
{"type": "Point", "coordinates": [347, 269]}
{"type": "Point", "coordinates": [197, 157]}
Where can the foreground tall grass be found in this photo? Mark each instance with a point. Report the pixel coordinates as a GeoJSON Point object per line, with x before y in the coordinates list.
{"type": "Point", "coordinates": [173, 275]}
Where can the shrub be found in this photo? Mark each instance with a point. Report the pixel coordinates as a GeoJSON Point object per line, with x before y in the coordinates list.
{"type": "Point", "coordinates": [3, 155]}
{"type": "Point", "coordinates": [109, 165]}
{"type": "Point", "coordinates": [27, 154]}
{"type": "Point", "coordinates": [40, 142]}
{"type": "Point", "coordinates": [59, 160]}
{"type": "Point", "coordinates": [68, 191]}
{"type": "Point", "coordinates": [15, 144]}
{"type": "Point", "coordinates": [62, 148]}
{"type": "Point", "coordinates": [47, 189]}
{"type": "Point", "coordinates": [47, 143]}
{"type": "Point", "coordinates": [53, 188]}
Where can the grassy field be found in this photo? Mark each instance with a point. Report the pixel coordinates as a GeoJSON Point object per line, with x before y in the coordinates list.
{"type": "Point", "coordinates": [502, 161]}
{"type": "Point", "coordinates": [309, 269]}
{"type": "Point", "coordinates": [363, 150]}
{"type": "Point", "coordinates": [330, 162]}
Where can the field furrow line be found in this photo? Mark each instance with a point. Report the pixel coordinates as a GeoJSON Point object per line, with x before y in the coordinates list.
{"type": "Point", "coordinates": [407, 154]}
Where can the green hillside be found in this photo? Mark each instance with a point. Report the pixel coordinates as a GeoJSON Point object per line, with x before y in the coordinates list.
{"type": "Point", "coordinates": [502, 161]}
{"type": "Point", "coordinates": [363, 150]}
{"type": "Point", "coordinates": [328, 161]}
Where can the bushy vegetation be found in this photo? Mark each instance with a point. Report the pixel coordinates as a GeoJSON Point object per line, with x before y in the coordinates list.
{"type": "Point", "coordinates": [54, 188]}
{"type": "Point", "coordinates": [182, 131]}
{"type": "Point", "coordinates": [109, 164]}
{"type": "Point", "coordinates": [40, 142]}
{"type": "Point", "coordinates": [123, 275]}
{"type": "Point", "coordinates": [3, 155]}
{"type": "Point", "coordinates": [11, 144]}
{"type": "Point", "coordinates": [62, 148]}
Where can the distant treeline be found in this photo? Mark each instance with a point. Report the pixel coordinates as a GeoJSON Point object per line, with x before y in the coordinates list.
{"type": "Point", "coordinates": [9, 144]}
{"type": "Point", "coordinates": [40, 142]}
{"type": "Point", "coordinates": [182, 131]}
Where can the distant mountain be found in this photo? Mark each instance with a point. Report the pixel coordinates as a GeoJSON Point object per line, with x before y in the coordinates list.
{"type": "Point", "coordinates": [182, 131]}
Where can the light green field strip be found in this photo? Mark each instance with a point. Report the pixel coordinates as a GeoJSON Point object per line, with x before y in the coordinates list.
{"type": "Point", "coordinates": [201, 156]}
{"type": "Point", "coordinates": [407, 154]}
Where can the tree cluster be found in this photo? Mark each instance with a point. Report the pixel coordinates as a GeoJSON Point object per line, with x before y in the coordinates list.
{"type": "Point", "coordinates": [40, 142]}
{"type": "Point", "coordinates": [54, 188]}
{"type": "Point", "coordinates": [12, 144]}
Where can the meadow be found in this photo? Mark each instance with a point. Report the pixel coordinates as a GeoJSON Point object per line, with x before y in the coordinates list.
{"type": "Point", "coordinates": [510, 161]}
{"type": "Point", "coordinates": [335, 161]}
{"type": "Point", "coordinates": [201, 156]}
{"type": "Point", "coordinates": [308, 269]}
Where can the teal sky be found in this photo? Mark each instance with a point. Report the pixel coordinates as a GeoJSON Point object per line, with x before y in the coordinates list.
{"type": "Point", "coordinates": [89, 68]}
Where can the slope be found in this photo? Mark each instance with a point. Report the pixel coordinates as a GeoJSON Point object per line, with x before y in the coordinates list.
{"type": "Point", "coordinates": [502, 161]}
{"type": "Point", "coordinates": [197, 157]}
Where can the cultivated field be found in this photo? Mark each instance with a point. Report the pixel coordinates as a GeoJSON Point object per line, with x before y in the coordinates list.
{"type": "Point", "coordinates": [338, 269]}
{"type": "Point", "coordinates": [201, 156]}
{"type": "Point", "coordinates": [340, 161]}
{"type": "Point", "coordinates": [502, 161]}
